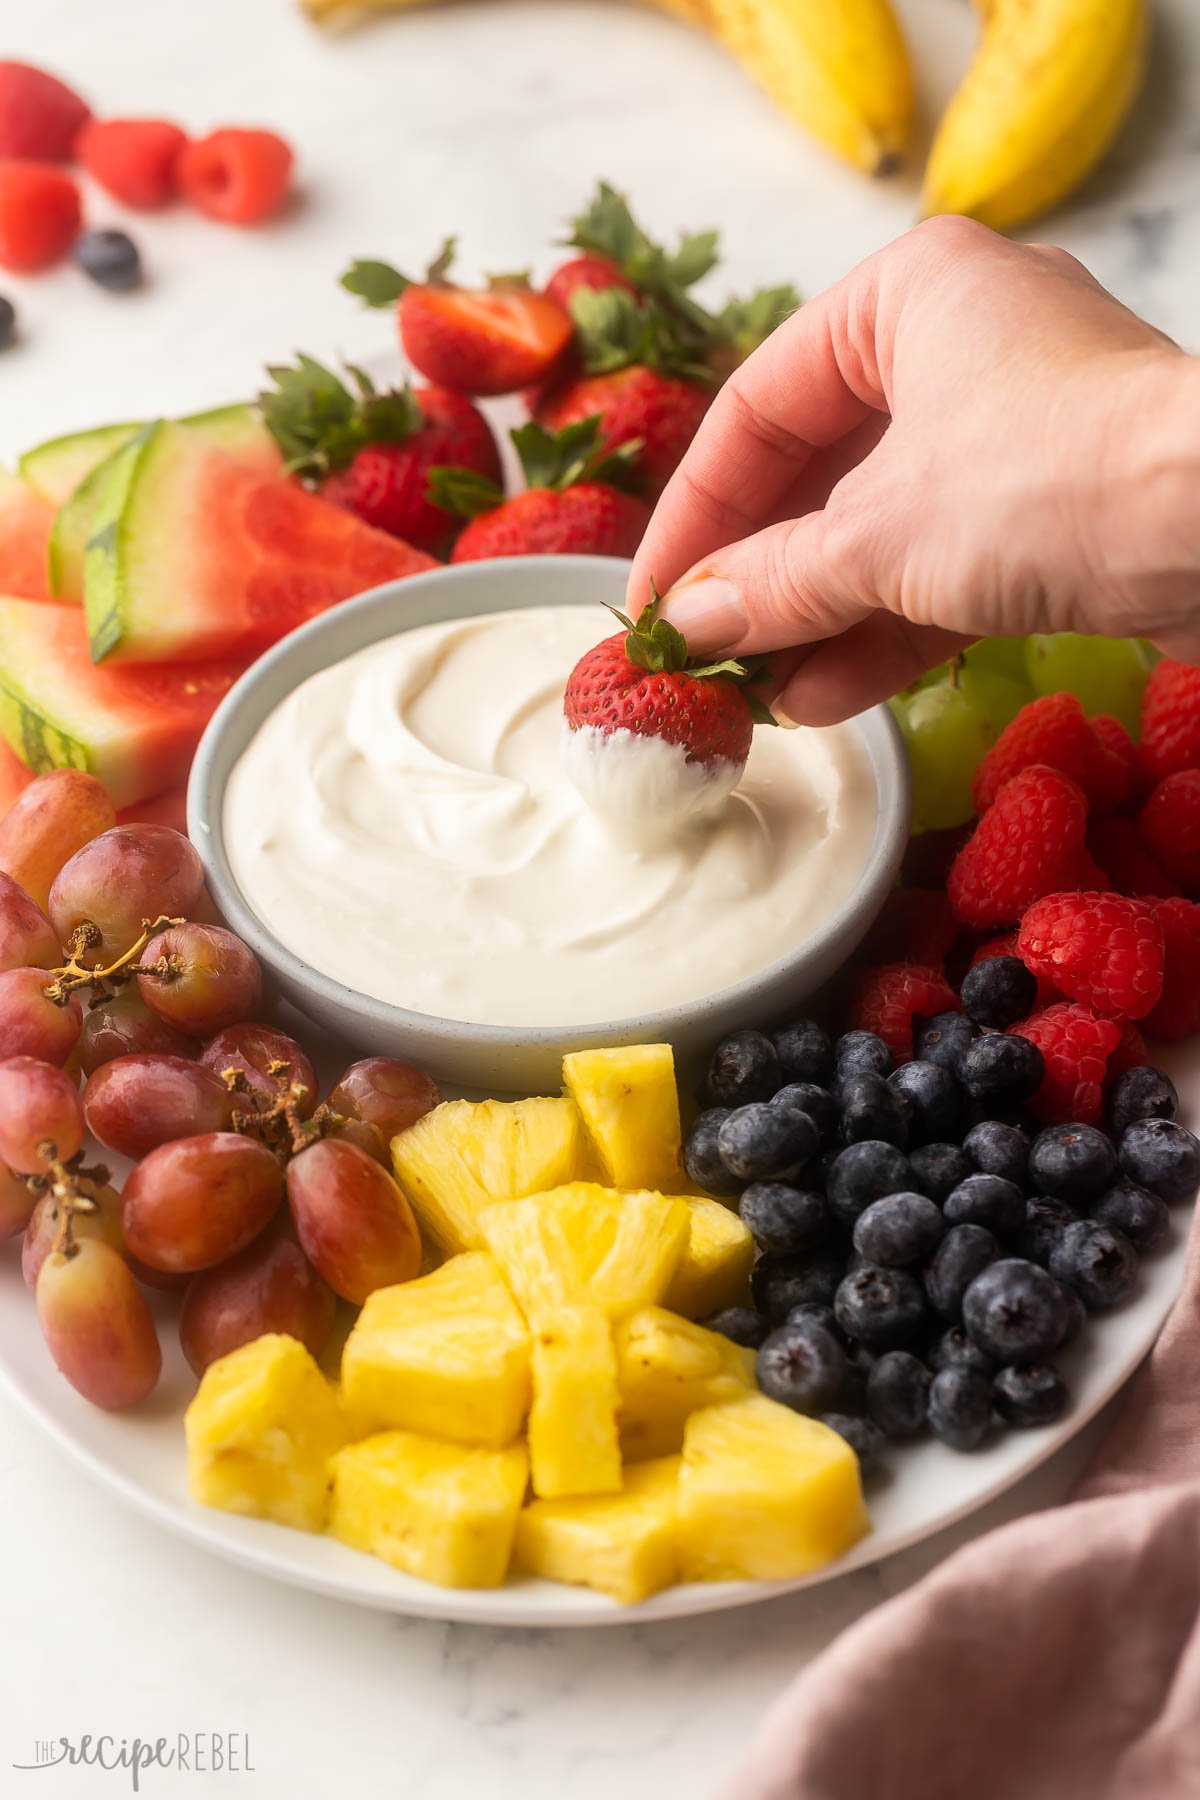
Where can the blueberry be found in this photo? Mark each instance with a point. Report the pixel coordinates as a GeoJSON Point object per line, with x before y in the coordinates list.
{"type": "Point", "coordinates": [882, 1308]}
{"type": "Point", "coordinates": [863, 1436]}
{"type": "Point", "coordinates": [817, 1102]}
{"type": "Point", "coordinates": [744, 1068]}
{"type": "Point", "coordinates": [1141, 1093]}
{"type": "Point", "coordinates": [111, 259]}
{"type": "Point", "coordinates": [740, 1324]}
{"type": "Point", "coordinates": [804, 1051]}
{"type": "Point", "coordinates": [964, 1253]}
{"type": "Point", "coordinates": [785, 1219]}
{"type": "Point", "coordinates": [761, 1142]}
{"type": "Point", "coordinates": [998, 992]}
{"type": "Point", "coordinates": [955, 1350]}
{"type": "Point", "coordinates": [1139, 1215]}
{"type": "Point", "coordinates": [899, 1229]}
{"type": "Point", "coordinates": [944, 1038]}
{"type": "Point", "coordinates": [898, 1394]}
{"type": "Point", "coordinates": [935, 1098]}
{"type": "Point", "coordinates": [1098, 1262]}
{"type": "Point", "coordinates": [817, 1314]}
{"type": "Point", "coordinates": [860, 1359]}
{"type": "Point", "coordinates": [1034, 1394]}
{"type": "Point", "coordinates": [1072, 1162]}
{"type": "Point", "coordinates": [8, 323]}
{"type": "Point", "coordinates": [802, 1366]}
{"type": "Point", "coordinates": [1015, 1311]}
{"type": "Point", "coordinates": [702, 1159]}
{"type": "Point", "coordinates": [1162, 1156]}
{"type": "Point", "coordinates": [780, 1282]}
{"type": "Point", "coordinates": [1014, 1113]}
{"type": "Point", "coordinates": [960, 1407]}
{"type": "Point", "coordinates": [998, 1149]}
{"type": "Point", "coordinates": [999, 1067]}
{"type": "Point", "coordinates": [862, 1173]}
{"type": "Point", "coordinates": [1045, 1221]}
{"type": "Point", "coordinates": [873, 1110]}
{"type": "Point", "coordinates": [937, 1168]}
{"type": "Point", "coordinates": [987, 1200]}
{"type": "Point", "coordinates": [860, 1053]}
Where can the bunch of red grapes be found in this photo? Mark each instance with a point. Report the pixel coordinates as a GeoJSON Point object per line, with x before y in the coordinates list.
{"type": "Point", "coordinates": [257, 1202]}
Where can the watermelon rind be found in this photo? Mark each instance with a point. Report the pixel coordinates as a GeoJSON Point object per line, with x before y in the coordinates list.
{"type": "Point", "coordinates": [55, 469]}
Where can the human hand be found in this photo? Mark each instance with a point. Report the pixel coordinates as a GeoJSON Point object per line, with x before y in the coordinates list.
{"type": "Point", "coordinates": [964, 437]}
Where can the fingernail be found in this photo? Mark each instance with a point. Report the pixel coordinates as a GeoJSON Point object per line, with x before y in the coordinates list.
{"type": "Point", "coordinates": [709, 611]}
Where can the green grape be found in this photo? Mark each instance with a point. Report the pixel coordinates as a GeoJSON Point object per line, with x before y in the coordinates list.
{"type": "Point", "coordinates": [1000, 656]}
{"type": "Point", "coordinates": [996, 698]}
{"type": "Point", "coordinates": [946, 738]}
{"type": "Point", "coordinates": [1106, 674]}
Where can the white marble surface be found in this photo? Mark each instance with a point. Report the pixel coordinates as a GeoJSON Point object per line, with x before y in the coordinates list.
{"type": "Point", "coordinates": [492, 120]}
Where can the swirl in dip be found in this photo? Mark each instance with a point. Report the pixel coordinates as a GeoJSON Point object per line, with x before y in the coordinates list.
{"type": "Point", "coordinates": [403, 823]}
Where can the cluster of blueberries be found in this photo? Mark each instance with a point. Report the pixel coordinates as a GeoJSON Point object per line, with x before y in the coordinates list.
{"type": "Point", "coordinates": [925, 1247]}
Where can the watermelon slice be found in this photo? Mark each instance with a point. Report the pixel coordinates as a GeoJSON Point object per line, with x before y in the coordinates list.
{"type": "Point", "coordinates": [55, 469]}
{"type": "Point", "coordinates": [25, 521]}
{"type": "Point", "coordinates": [238, 430]}
{"type": "Point", "coordinates": [135, 729]}
{"type": "Point", "coordinates": [193, 556]}
{"type": "Point", "coordinates": [14, 777]}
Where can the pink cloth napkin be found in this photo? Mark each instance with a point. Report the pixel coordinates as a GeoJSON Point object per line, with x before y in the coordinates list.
{"type": "Point", "coordinates": [1058, 1658]}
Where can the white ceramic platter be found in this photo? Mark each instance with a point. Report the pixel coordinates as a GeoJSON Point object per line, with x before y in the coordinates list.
{"type": "Point", "coordinates": [141, 1456]}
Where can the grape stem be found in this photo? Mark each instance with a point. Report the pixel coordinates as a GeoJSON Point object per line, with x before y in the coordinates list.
{"type": "Point", "coordinates": [75, 973]}
{"type": "Point", "coordinates": [63, 1182]}
{"type": "Point", "coordinates": [279, 1126]}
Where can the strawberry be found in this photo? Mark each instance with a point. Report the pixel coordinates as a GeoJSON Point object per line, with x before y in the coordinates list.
{"type": "Point", "coordinates": [662, 412]}
{"type": "Point", "coordinates": [593, 272]}
{"type": "Point", "coordinates": [237, 175]}
{"type": "Point", "coordinates": [489, 341]}
{"type": "Point", "coordinates": [40, 215]}
{"type": "Point", "coordinates": [133, 159]}
{"type": "Point", "coordinates": [371, 452]}
{"type": "Point", "coordinates": [574, 501]}
{"type": "Point", "coordinates": [39, 115]}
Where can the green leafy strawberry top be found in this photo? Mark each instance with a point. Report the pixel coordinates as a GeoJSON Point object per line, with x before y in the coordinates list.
{"type": "Point", "coordinates": [654, 644]}
{"type": "Point", "coordinates": [550, 459]}
{"type": "Point", "coordinates": [320, 423]}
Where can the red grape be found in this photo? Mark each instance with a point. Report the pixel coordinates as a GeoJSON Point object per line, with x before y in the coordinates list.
{"type": "Point", "coordinates": [31, 1024]}
{"type": "Point", "coordinates": [353, 1222]}
{"type": "Point", "coordinates": [268, 1286]}
{"type": "Point", "coordinates": [39, 1107]}
{"type": "Point", "coordinates": [250, 1050]}
{"type": "Point", "coordinates": [210, 978]}
{"type": "Point", "coordinates": [17, 1201]}
{"type": "Point", "coordinates": [366, 1137]}
{"type": "Point", "coordinates": [98, 1326]}
{"type": "Point", "coordinates": [125, 1026]}
{"type": "Point", "coordinates": [41, 1234]}
{"type": "Point", "coordinates": [121, 878]}
{"type": "Point", "coordinates": [27, 938]}
{"type": "Point", "coordinates": [386, 1092]}
{"type": "Point", "coordinates": [53, 818]}
{"type": "Point", "coordinates": [135, 1103]}
{"type": "Point", "coordinates": [191, 1204]}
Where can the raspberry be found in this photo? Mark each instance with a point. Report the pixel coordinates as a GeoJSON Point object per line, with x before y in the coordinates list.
{"type": "Point", "coordinates": [886, 1000]}
{"type": "Point", "coordinates": [133, 159]}
{"type": "Point", "coordinates": [1171, 718]}
{"type": "Point", "coordinates": [1120, 850]}
{"type": "Point", "coordinates": [1076, 1047]}
{"type": "Point", "coordinates": [236, 175]}
{"type": "Point", "coordinates": [1104, 950]}
{"type": "Point", "coordinates": [39, 115]}
{"type": "Point", "coordinates": [1177, 1014]}
{"type": "Point", "coordinates": [1114, 737]}
{"type": "Point", "coordinates": [1170, 824]}
{"type": "Point", "coordinates": [1130, 1053]}
{"type": "Point", "coordinates": [1054, 732]}
{"type": "Point", "coordinates": [1027, 844]}
{"type": "Point", "coordinates": [39, 215]}
{"type": "Point", "coordinates": [1006, 945]}
{"type": "Point", "coordinates": [917, 925]}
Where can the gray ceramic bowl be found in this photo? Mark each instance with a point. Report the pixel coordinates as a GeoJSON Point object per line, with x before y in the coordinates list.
{"type": "Point", "coordinates": [523, 1059]}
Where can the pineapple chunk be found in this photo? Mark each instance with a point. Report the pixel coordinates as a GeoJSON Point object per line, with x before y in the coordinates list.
{"type": "Point", "coordinates": [462, 1157]}
{"type": "Point", "coordinates": [573, 1446]}
{"type": "Point", "coordinates": [623, 1544]}
{"type": "Point", "coordinates": [764, 1494]}
{"type": "Point", "coordinates": [584, 1245]}
{"type": "Point", "coordinates": [440, 1511]}
{"type": "Point", "coordinates": [629, 1105]}
{"type": "Point", "coordinates": [261, 1432]}
{"type": "Point", "coordinates": [714, 1270]}
{"type": "Point", "coordinates": [447, 1355]}
{"type": "Point", "coordinates": [667, 1369]}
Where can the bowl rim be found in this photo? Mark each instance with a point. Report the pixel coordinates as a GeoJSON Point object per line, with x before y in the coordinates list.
{"type": "Point", "coordinates": [242, 712]}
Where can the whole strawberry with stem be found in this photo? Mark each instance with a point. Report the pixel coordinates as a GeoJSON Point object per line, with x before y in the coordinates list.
{"type": "Point", "coordinates": [372, 452]}
{"type": "Point", "coordinates": [575, 501]}
{"type": "Point", "coordinates": [653, 739]}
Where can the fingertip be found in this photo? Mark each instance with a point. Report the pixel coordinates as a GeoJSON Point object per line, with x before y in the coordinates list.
{"type": "Point", "coordinates": [709, 610]}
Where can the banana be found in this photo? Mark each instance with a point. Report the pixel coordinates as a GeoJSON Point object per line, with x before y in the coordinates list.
{"type": "Point", "coordinates": [1042, 101]}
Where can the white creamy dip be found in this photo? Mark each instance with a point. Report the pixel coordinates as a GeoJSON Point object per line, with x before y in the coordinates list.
{"type": "Point", "coordinates": [403, 823]}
